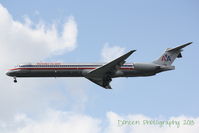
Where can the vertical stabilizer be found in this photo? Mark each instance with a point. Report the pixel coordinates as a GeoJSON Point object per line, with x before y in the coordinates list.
{"type": "Point", "coordinates": [170, 55]}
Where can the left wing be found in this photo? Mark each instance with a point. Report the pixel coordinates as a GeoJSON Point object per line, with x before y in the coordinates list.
{"type": "Point", "coordinates": [102, 75]}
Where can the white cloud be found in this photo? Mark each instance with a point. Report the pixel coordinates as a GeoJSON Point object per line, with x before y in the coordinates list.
{"type": "Point", "coordinates": [111, 52]}
{"type": "Point", "coordinates": [154, 127]}
{"type": "Point", "coordinates": [30, 42]}
{"type": "Point", "coordinates": [59, 122]}
{"type": "Point", "coordinates": [54, 122]}
{"type": "Point", "coordinates": [24, 42]}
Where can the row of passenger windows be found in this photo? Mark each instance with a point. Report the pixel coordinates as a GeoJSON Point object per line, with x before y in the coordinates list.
{"type": "Point", "coordinates": [67, 65]}
{"type": "Point", "coordinates": [60, 65]}
{"type": "Point", "coordinates": [127, 65]}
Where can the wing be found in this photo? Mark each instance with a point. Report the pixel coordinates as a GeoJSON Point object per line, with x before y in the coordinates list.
{"type": "Point", "coordinates": [101, 82]}
{"type": "Point", "coordinates": [102, 75]}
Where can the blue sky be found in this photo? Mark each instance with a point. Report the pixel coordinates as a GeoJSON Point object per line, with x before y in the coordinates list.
{"type": "Point", "coordinates": [147, 26]}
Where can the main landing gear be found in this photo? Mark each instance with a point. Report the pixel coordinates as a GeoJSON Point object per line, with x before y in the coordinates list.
{"type": "Point", "coordinates": [15, 80]}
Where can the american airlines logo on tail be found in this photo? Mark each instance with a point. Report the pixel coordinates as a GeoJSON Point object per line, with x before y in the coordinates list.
{"type": "Point", "coordinates": [166, 58]}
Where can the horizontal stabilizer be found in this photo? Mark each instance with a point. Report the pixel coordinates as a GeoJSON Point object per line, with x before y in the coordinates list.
{"type": "Point", "coordinates": [179, 47]}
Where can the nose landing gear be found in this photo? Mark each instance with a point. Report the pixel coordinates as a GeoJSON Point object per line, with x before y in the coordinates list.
{"type": "Point", "coordinates": [15, 80]}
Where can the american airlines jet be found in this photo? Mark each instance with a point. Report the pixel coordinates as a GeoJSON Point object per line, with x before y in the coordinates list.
{"type": "Point", "coordinates": [100, 74]}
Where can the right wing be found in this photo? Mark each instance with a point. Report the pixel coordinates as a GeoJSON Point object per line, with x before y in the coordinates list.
{"type": "Point", "coordinates": [102, 75]}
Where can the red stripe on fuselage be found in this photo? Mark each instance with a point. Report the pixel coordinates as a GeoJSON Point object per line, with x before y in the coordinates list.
{"type": "Point", "coordinates": [74, 68]}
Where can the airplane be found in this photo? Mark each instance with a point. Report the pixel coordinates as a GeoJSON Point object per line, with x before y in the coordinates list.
{"type": "Point", "coordinates": [100, 73]}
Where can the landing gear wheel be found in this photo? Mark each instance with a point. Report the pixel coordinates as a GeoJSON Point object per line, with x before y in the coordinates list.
{"type": "Point", "coordinates": [15, 80]}
{"type": "Point", "coordinates": [107, 79]}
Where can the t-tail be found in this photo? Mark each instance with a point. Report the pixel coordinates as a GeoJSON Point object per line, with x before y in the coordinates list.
{"type": "Point", "coordinates": [170, 55]}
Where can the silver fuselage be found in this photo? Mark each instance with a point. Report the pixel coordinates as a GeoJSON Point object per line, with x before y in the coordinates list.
{"type": "Point", "coordinates": [80, 70]}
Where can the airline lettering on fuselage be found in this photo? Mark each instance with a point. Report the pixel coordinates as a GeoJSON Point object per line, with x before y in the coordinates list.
{"type": "Point", "coordinates": [43, 63]}
{"type": "Point", "coordinates": [166, 58]}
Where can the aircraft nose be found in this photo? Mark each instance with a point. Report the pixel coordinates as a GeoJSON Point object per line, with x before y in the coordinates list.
{"type": "Point", "coordinates": [10, 73]}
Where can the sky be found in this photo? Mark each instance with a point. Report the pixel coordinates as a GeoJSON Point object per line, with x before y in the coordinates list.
{"type": "Point", "coordinates": [98, 31]}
